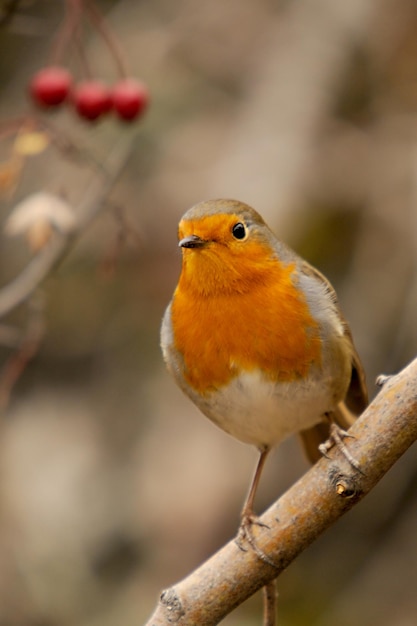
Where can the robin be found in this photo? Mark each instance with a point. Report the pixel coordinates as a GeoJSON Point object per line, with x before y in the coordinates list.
{"type": "Point", "coordinates": [255, 337]}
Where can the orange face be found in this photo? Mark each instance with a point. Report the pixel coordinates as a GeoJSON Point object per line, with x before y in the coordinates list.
{"type": "Point", "coordinates": [224, 263]}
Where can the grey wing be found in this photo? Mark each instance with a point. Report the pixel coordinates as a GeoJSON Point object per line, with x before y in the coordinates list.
{"type": "Point", "coordinates": [344, 414]}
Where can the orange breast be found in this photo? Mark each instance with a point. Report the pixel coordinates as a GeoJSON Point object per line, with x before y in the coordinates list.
{"type": "Point", "coordinates": [268, 326]}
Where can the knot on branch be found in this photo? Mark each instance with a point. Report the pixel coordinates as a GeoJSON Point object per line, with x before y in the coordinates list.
{"type": "Point", "coordinates": [345, 485]}
{"type": "Point", "coordinates": [173, 605]}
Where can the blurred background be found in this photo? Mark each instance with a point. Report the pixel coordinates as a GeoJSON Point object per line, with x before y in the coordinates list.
{"type": "Point", "coordinates": [112, 484]}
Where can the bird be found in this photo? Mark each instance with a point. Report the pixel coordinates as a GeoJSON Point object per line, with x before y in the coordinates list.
{"type": "Point", "coordinates": [255, 337]}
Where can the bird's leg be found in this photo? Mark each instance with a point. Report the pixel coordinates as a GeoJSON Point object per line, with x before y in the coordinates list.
{"type": "Point", "coordinates": [248, 517]}
{"type": "Point", "coordinates": [336, 438]}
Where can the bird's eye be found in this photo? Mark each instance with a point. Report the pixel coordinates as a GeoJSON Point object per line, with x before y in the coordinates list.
{"type": "Point", "coordinates": [239, 231]}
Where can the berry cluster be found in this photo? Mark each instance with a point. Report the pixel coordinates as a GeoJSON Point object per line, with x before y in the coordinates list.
{"type": "Point", "coordinates": [91, 98]}
{"type": "Point", "coordinates": [52, 86]}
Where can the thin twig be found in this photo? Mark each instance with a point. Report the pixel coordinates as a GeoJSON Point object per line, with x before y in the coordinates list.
{"type": "Point", "coordinates": [332, 487]}
{"type": "Point", "coordinates": [270, 603]}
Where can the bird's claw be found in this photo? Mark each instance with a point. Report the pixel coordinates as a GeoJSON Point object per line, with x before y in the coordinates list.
{"type": "Point", "coordinates": [336, 437]}
{"type": "Point", "coordinates": [245, 535]}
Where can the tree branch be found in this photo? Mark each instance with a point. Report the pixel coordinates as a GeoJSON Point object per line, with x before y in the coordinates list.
{"type": "Point", "coordinates": [379, 437]}
{"type": "Point", "coordinates": [22, 287]}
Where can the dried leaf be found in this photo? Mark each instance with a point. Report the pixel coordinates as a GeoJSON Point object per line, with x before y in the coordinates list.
{"type": "Point", "coordinates": [30, 143]}
{"type": "Point", "coordinates": [39, 234]}
{"type": "Point", "coordinates": [38, 216]}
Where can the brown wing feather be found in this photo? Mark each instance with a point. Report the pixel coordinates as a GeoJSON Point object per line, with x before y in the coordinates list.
{"type": "Point", "coordinates": [356, 399]}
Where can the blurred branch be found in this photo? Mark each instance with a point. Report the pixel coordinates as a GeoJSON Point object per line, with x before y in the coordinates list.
{"type": "Point", "coordinates": [26, 350]}
{"type": "Point", "coordinates": [94, 199]}
{"type": "Point", "coordinates": [379, 437]}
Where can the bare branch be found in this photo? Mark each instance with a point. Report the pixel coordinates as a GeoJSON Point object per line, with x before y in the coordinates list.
{"type": "Point", "coordinates": [379, 437]}
{"type": "Point", "coordinates": [22, 287]}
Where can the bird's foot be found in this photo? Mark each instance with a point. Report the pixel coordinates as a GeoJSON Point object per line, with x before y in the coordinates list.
{"type": "Point", "coordinates": [246, 537]}
{"type": "Point", "coordinates": [336, 438]}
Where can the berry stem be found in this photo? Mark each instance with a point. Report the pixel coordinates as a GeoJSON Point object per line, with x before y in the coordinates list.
{"type": "Point", "coordinates": [69, 25]}
{"type": "Point", "coordinates": [99, 23]}
{"type": "Point", "coordinates": [79, 49]}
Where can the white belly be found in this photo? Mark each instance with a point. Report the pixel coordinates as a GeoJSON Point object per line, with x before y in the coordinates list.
{"type": "Point", "coordinates": [260, 412]}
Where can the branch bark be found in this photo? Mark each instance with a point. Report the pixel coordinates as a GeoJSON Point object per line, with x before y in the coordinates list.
{"type": "Point", "coordinates": [23, 286]}
{"type": "Point", "coordinates": [331, 488]}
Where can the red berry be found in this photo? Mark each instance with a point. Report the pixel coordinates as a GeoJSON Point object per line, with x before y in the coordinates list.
{"type": "Point", "coordinates": [92, 99]}
{"type": "Point", "coordinates": [50, 86]}
{"type": "Point", "coordinates": [130, 98]}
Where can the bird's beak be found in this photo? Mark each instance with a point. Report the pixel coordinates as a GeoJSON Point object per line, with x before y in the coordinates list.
{"type": "Point", "coordinates": [193, 241]}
